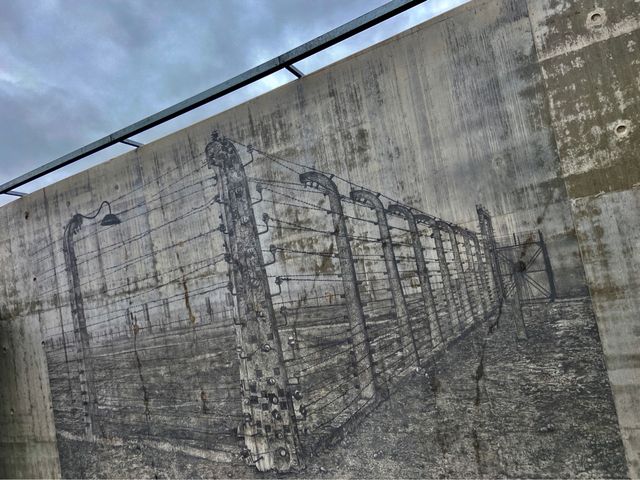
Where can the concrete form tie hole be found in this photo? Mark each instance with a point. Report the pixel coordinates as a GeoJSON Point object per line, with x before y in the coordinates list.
{"type": "Point", "coordinates": [596, 18]}
{"type": "Point", "coordinates": [622, 129]}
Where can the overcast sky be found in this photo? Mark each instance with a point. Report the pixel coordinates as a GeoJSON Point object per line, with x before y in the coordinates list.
{"type": "Point", "coordinates": [72, 71]}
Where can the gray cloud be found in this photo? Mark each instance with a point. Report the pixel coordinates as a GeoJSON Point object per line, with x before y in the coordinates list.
{"type": "Point", "coordinates": [72, 71]}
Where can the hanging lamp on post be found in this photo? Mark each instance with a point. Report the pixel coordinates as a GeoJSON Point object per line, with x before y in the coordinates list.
{"type": "Point", "coordinates": [81, 334]}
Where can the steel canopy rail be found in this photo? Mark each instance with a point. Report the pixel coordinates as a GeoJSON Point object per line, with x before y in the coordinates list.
{"type": "Point", "coordinates": [284, 61]}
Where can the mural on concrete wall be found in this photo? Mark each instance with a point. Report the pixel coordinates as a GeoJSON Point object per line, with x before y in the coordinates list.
{"type": "Point", "coordinates": [271, 315]}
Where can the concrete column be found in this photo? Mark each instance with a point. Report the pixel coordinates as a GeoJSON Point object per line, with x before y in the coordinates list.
{"type": "Point", "coordinates": [27, 433]}
{"type": "Point", "coordinates": [272, 444]}
{"type": "Point", "coordinates": [367, 378]}
{"type": "Point", "coordinates": [402, 313]}
{"type": "Point", "coordinates": [434, 329]}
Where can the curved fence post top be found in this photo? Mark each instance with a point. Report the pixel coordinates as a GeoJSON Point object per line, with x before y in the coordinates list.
{"type": "Point", "coordinates": [427, 220]}
{"type": "Point", "coordinates": [401, 210]}
{"type": "Point", "coordinates": [317, 179]}
{"type": "Point", "coordinates": [366, 197]}
{"type": "Point", "coordinates": [463, 232]}
{"type": "Point", "coordinates": [446, 226]}
{"type": "Point", "coordinates": [73, 226]}
{"type": "Point", "coordinates": [406, 213]}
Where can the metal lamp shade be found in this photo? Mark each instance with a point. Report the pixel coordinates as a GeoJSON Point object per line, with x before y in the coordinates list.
{"type": "Point", "coordinates": [110, 219]}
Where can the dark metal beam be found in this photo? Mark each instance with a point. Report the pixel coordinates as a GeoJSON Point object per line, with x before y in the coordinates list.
{"type": "Point", "coordinates": [349, 29]}
{"type": "Point", "coordinates": [133, 143]}
{"type": "Point", "coordinates": [295, 71]}
{"type": "Point", "coordinates": [15, 193]}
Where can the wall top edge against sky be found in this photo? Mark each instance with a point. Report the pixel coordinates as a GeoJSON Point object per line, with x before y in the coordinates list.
{"type": "Point", "coordinates": [414, 19]}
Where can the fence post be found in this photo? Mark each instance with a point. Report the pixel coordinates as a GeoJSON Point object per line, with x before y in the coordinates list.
{"type": "Point", "coordinates": [517, 272]}
{"type": "Point", "coordinates": [444, 267]}
{"type": "Point", "coordinates": [471, 279]}
{"type": "Point", "coordinates": [547, 267]}
{"type": "Point", "coordinates": [453, 288]}
{"type": "Point", "coordinates": [367, 379]}
{"type": "Point", "coordinates": [81, 334]}
{"type": "Point", "coordinates": [402, 313]}
{"type": "Point", "coordinates": [270, 433]}
{"type": "Point", "coordinates": [423, 274]}
{"type": "Point", "coordinates": [488, 277]}
{"type": "Point", "coordinates": [460, 268]}
{"type": "Point", "coordinates": [472, 247]}
{"type": "Point", "coordinates": [486, 229]}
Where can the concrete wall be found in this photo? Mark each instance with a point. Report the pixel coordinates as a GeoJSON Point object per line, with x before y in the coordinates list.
{"type": "Point", "coordinates": [28, 439]}
{"type": "Point", "coordinates": [588, 51]}
{"type": "Point", "coordinates": [500, 102]}
{"type": "Point", "coordinates": [28, 442]}
{"type": "Point", "coordinates": [443, 117]}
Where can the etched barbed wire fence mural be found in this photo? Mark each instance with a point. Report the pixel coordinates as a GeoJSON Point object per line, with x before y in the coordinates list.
{"type": "Point", "coordinates": [309, 233]}
{"type": "Point", "coordinates": [263, 318]}
{"type": "Point", "coordinates": [157, 322]}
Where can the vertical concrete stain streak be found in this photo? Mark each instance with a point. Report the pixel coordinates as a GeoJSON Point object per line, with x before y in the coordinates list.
{"type": "Point", "coordinates": [187, 303]}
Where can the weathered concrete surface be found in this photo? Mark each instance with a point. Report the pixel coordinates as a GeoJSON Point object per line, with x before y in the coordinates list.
{"type": "Point", "coordinates": [492, 407]}
{"type": "Point", "coordinates": [27, 441]}
{"type": "Point", "coordinates": [472, 107]}
{"type": "Point", "coordinates": [589, 54]}
{"type": "Point", "coordinates": [610, 242]}
{"type": "Point", "coordinates": [443, 116]}
{"type": "Point", "coordinates": [27, 435]}
{"type": "Point", "coordinates": [497, 408]}
{"type": "Point", "coordinates": [589, 58]}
